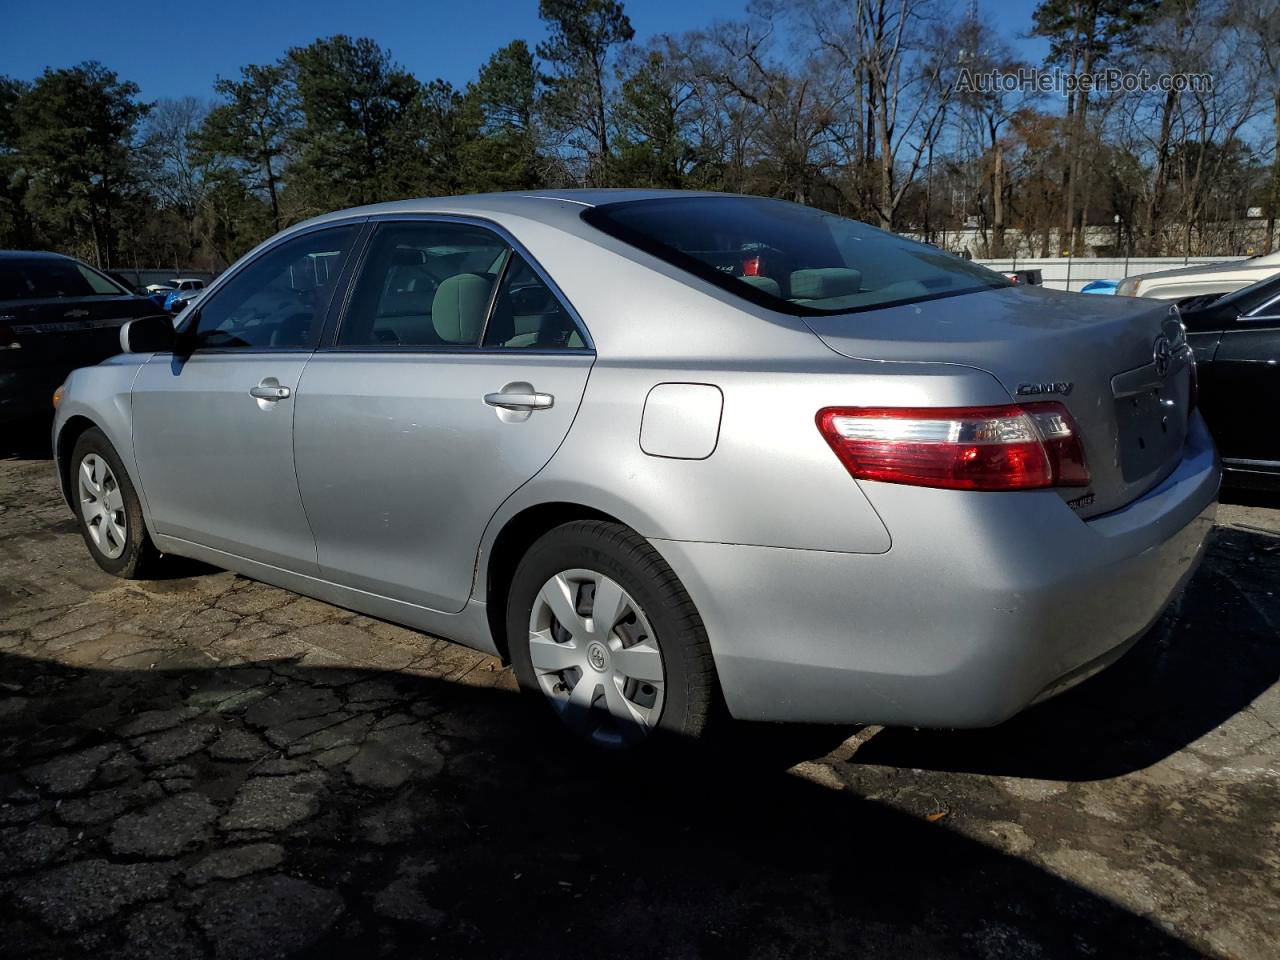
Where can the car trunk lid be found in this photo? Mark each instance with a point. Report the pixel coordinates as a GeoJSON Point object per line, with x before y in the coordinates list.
{"type": "Point", "coordinates": [1097, 356]}
{"type": "Point", "coordinates": [75, 331]}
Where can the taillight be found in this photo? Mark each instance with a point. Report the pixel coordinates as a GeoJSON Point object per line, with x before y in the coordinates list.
{"type": "Point", "coordinates": [751, 267]}
{"type": "Point", "coordinates": [1010, 447]}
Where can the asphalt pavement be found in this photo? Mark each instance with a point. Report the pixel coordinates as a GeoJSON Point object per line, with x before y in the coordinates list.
{"type": "Point", "coordinates": [204, 766]}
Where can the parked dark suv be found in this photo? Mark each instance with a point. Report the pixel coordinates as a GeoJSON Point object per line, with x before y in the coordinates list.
{"type": "Point", "coordinates": [56, 314]}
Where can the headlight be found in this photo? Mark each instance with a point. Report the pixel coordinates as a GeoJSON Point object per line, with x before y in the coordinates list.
{"type": "Point", "coordinates": [58, 395]}
{"type": "Point", "coordinates": [1127, 286]}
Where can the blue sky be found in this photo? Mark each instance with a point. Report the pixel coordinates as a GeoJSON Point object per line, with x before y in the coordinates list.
{"type": "Point", "coordinates": [176, 49]}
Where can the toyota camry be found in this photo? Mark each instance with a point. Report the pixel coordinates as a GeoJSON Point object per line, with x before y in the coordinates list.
{"type": "Point", "coordinates": [671, 455]}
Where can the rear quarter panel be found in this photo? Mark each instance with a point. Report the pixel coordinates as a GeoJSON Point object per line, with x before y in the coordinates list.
{"type": "Point", "coordinates": [771, 480]}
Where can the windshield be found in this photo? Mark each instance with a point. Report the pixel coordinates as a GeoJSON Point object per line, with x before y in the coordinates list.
{"type": "Point", "coordinates": [49, 278]}
{"type": "Point", "coordinates": [788, 257]}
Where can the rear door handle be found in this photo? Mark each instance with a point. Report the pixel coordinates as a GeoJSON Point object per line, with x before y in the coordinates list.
{"type": "Point", "coordinates": [269, 389]}
{"type": "Point", "coordinates": [520, 401]}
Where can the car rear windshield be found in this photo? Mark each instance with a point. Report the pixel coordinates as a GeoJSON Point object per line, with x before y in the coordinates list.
{"type": "Point", "coordinates": [39, 278]}
{"type": "Point", "coordinates": [789, 257]}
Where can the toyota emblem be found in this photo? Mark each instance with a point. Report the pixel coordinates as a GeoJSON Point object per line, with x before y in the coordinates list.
{"type": "Point", "coordinates": [1163, 356]}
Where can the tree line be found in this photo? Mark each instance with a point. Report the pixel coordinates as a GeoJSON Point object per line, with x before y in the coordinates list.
{"type": "Point", "coordinates": [857, 106]}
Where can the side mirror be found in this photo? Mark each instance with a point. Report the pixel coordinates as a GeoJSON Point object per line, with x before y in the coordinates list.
{"type": "Point", "coordinates": [148, 335]}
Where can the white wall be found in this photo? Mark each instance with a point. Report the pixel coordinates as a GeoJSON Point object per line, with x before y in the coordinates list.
{"type": "Point", "coordinates": [1072, 273]}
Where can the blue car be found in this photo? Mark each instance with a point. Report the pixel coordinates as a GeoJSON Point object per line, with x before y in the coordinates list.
{"type": "Point", "coordinates": [157, 293]}
{"type": "Point", "coordinates": [1102, 287]}
{"type": "Point", "coordinates": [177, 301]}
{"type": "Point", "coordinates": [179, 287]}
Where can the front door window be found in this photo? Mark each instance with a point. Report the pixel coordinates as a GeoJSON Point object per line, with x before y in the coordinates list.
{"type": "Point", "coordinates": [279, 300]}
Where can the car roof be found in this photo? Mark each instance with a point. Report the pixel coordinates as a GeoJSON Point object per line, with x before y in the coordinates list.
{"type": "Point", "coordinates": [32, 255]}
{"type": "Point", "coordinates": [562, 207]}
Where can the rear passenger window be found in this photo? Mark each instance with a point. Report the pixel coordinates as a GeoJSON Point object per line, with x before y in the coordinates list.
{"type": "Point", "coordinates": [526, 314]}
{"type": "Point", "coordinates": [424, 285]}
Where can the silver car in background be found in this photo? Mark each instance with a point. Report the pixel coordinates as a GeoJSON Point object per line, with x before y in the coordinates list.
{"type": "Point", "coordinates": [1201, 280]}
{"type": "Point", "coordinates": [668, 453]}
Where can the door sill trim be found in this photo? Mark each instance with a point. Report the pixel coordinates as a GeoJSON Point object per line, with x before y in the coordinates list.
{"type": "Point", "coordinates": [468, 626]}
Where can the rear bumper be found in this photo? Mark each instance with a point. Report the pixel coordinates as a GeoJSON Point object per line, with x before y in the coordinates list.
{"type": "Point", "coordinates": [985, 602]}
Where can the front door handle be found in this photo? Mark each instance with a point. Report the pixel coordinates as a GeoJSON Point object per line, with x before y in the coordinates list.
{"type": "Point", "coordinates": [269, 389]}
{"type": "Point", "coordinates": [520, 401]}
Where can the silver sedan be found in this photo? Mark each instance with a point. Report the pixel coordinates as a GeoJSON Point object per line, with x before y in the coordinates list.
{"type": "Point", "coordinates": [672, 455]}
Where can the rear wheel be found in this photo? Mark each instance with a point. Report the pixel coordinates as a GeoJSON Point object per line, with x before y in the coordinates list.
{"type": "Point", "coordinates": [108, 508]}
{"type": "Point", "coordinates": [600, 628]}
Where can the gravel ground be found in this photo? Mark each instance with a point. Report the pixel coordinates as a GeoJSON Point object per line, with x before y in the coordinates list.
{"type": "Point", "coordinates": [207, 766]}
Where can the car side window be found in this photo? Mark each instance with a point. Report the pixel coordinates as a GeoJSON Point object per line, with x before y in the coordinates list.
{"type": "Point", "coordinates": [97, 282]}
{"type": "Point", "coordinates": [279, 299]}
{"type": "Point", "coordinates": [527, 314]}
{"type": "Point", "coordinates": [424, 284]}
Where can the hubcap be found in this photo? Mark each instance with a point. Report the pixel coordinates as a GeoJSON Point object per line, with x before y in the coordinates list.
{"type": "Point", "coordinates": [102, 506]}
{"type": "Point", "coordinates": [596, 658]}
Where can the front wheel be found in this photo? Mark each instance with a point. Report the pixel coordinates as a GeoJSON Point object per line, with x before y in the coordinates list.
{"type": "Point", "coordinates": [108, 508]}
{"type": "Point", "coordinates": [601, 629]}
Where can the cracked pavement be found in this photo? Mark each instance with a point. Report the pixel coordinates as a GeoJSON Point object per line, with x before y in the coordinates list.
{"type": "Point", "coordinates": [205, 766]}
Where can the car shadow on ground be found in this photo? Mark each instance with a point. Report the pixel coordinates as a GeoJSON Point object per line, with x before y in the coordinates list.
{"type": "Point", "coordinates": [178, 810]}
{"type": "Point", "coordinates": [1207, 659]}
{"type": "Point", "coordinates": [27, 439]}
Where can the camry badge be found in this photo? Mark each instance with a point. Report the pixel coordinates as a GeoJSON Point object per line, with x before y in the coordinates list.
{"type": "Point", "coordinates": [1063, 387]}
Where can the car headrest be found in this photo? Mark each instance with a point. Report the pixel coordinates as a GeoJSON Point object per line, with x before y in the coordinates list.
{"type": "Point", "coordinates": [411, 277]}
{"type": "Point", "coordinates": [403, 256]}
{"type": "Point", "coordinates": [458, 310]}
{"type": "Point", "coordinates": [764, 285]}
{"type": "Point", "coordinates": [823, 282]}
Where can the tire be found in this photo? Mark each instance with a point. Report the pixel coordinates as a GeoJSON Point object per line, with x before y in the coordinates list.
{"type": "Point", "coordinates": [121, 545]}
{"type": "Point", "coordinates": [583, 556]}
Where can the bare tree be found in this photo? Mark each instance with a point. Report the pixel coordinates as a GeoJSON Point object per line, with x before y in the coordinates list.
{"type": "Point", "coordinates": [1173, 42]}
{"type": "Point", "coordinates": [783, 118]}
{"type": "Point", "coordinates": [1259, 21]}
{"type": "Point", "coordinates": [889, 53]}
{"type": "Point", "coordinates": [174, 171]}
{"type": "Point", "coordinates": [985, 114]}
